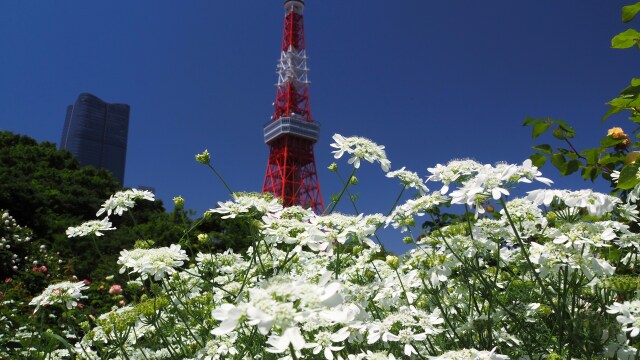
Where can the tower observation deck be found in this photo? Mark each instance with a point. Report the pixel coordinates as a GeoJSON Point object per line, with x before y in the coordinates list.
{"type": "Point", "coordinates": [291, 134]}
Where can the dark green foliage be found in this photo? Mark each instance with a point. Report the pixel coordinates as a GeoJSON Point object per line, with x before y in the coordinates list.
{"type": "Point", "coordinates": [46, 190]}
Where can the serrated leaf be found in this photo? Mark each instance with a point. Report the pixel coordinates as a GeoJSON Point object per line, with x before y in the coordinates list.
{"type": "Point", "coordinates": [545, 148]}
{"type": "Point", "coordinates": [629, 12]}
{"type": "Point", "coordinates": [629, 176]}
{"type": "Point", "coordinates": [538, 160]}
{"type": "Point", "coordinates": [625, 39]}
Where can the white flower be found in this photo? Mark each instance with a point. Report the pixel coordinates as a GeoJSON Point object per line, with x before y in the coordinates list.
{"type": "Point", "coordinates": [409, 179]}
{"type": "Point", "coordinates": [290, 336]}
{"type": "Point", "coordinates": [230, 209]}
{"type": "Point", "coordinates": [123, 201]}
{"type": "Point", "coordinates": [597, 204]}
{"type": "Point", "coordinates": [63, 292]}
{"type": "Point", "coordinates": [530, 172]}
{"type": "Point", "coordinates": [470, 354]}
{"type": "Point", "coordinates": [454, 171]}
{"type": "Point", "coordinates": [629, 315]}
{"type": "Point", "coordinates": [152, 262]}
{"type": "Point", "coordinates": [323, 341]}
{"type": "Point", "coordinates": [360, 149]}
{"type": "Point", "coordinates": [90, 227]}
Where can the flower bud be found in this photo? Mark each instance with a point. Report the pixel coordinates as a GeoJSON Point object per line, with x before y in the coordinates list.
{"type": "Point", "coordinates": [353, 180]}
{"type": "Point", "coordinates": [333, 167]}
{"type": "Point", "coordinates": [393, 262]}
{"type": "Point", "coordinates": [407, 240]}
{"type": "Point", "coordinates": [203, 238]}
{"type": "Point", "coordinates": [204, 158]}
{"type": "Point", "coordinates": [551, 216]}
{"type": "Point", "coordinates": [178, 201]}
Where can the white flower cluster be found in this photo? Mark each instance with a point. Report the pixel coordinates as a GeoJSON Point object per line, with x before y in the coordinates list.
{"type": "Point", "coordinates": [470, 354]}
{"type": "Point", "coordinates": [320, 286]}
{"type": "Point", "coordinates": [157, 263]}
{"type": "Point", "coordinates": [117, 204]}
{"type": "Point", "coordinates": [67, 293]}
{"type": "Point", "coordinates": [480, 183]}
{"type": "Point", "coordinates": [123, 201]}
{"type": "Point", "coordinates": [597, 204]}
{"type": "Point", "coordinates": [13, 241]}
{"type": "Point", "coordinates": [243, 202]}
{"type": "Point", "coordinates": [360, 149]}
{"type": "Point", "coordinates": [628, 315]}
{"type": "Point", "coordinates": [95, 227]}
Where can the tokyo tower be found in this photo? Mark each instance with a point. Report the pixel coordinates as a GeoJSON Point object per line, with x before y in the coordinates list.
{"type": "Point", "coordinates": [291, 170]}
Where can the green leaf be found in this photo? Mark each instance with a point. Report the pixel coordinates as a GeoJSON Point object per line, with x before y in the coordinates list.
{"type": "Point", "coordinates": [572, 166]}
{"type": "Point", "coordinates": [612, 110]}
{"type": "Point", "coordinates": [545, 148]}
{"type": "Point", "coordinates": [591, 155]}
{"type": "Point", "coordinates": [559, 162]}
{"type": "Point", "coordinates": [610, 159]}
{"type": "Point", "coordinates": [539, 125]}
{"type": "Point", "coordinates": [540, 128]}
{"type": "Point", "coordinates": [529, 121]}
{"type": "Point", "coordinates": [538, 160]}
{"type": "Point", "coordinates": [590, 173]}
{"type": "Point", "coordinates": [608, 141]}
{"type": "Point", "coordinates": [629, 12]}
{"type": "Point", "coordinates": [559, 134]}
{"type": "Point", "coordinates": [625, 39]}
{"type": "Point", "coordinates": [635, 82]}
{"type": "Point", "coordinates": [628, 176]}
{"type": "Point", "coordinates": [568, 129]}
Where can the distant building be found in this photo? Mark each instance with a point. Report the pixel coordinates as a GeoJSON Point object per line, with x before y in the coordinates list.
{"type": "Point", "coordinates": [96, 133]}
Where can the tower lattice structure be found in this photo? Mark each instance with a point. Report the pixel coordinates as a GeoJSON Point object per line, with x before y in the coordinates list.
{"type": "Point", "coordinates": [291, 134]}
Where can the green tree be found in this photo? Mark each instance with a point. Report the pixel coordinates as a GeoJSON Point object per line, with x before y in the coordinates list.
{"type": "Point", "coordinates": [46, 190]}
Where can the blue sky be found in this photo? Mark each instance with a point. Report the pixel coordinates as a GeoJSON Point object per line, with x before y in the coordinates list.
{"type": "Point", "coordinates": [431, 80]}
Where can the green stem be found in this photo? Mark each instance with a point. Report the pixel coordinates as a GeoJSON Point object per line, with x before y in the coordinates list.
{"type": "Point", "coordinates": [221, 178]}
{"type": "Point", "coordinates": [527, 258]}
{"type": "Point", "coordinates": [349, 193]}
{"type": "Point", "coordinates": [344, 188]}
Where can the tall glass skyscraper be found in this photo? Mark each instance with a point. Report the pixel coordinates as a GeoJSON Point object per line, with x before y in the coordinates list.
{"type": "Point", "coordinates": [96, 133]}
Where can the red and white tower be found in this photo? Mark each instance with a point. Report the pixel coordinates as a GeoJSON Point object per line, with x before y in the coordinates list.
{"type": "Point", "coordinates": [291, 170]}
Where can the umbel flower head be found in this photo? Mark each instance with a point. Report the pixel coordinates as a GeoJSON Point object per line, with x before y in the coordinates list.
{"type": "Point", "coordinates": [152, 262]}
{"type": "Point", "coordinates": [360, 149]}
{"type": "Point", "coordinates": [65, 292]}
{"type": "Point", "coordinates": [123, 201]}
{"type": "Point", "coordinates": [94, 227]}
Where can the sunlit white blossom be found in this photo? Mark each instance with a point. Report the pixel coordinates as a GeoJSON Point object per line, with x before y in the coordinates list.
{"type": "Point", "coordinates": [157, 263]}
{"type": "Point", "coordinates": [123, 201]}
{"type": "Point", "coordinates": [94, 227]}
{"type": "Point", "coordinates": [360, 149]}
